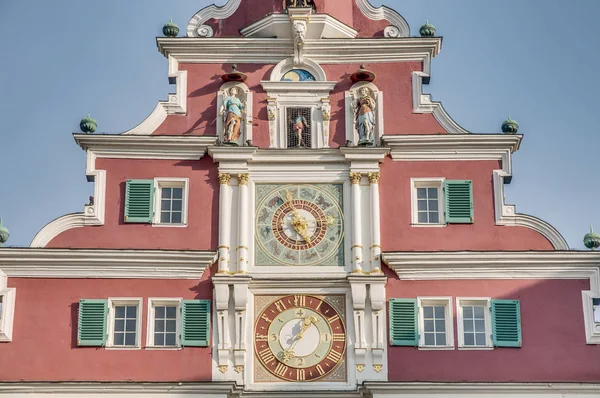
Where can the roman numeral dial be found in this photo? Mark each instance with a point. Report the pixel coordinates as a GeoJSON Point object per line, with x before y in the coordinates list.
{"type": "Point", "coordinates": [300, 338]}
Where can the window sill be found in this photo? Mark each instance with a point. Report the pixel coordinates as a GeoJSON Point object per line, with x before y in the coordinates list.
{"type": "Point", "coordinates": [170, 225]}
{"type": "Point", "coordinates": [429, 225]}
{"type": "Point", "coordinates": [486, 348]}
{"type": "Point", "coordinates": [159, 348]}
{"type": "Point", "coordinates": [434, 348]}
{"type": "Point", "coordinates": [119, 348]}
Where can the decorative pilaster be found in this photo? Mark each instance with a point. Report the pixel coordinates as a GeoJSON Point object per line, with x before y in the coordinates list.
{"type": "Point", "coordinates": [359, 297]}
{"type": "Point", "coordinates": [272, 116]}
{"type": "Point", "coordinates": [326, 114]}
{"type": "Point", "coordinates": [377, 295]}
{"type": "Point", "coordinates": [224, 223]}
{"type": "Point", "coordinates": [375, 224]}
{"type": "Point", "coordinates": [242, 249]}
{"type": "Point", "coordinates": [357, 247]}
{"type": "Point", "coordinates": [221, 298]}
{"type": "Point", "coordinates": [240, 299]}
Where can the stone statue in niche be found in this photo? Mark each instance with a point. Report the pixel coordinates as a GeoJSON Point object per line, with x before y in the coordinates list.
{"type": "Point", "coordinates": [231, 110]}
{"type": "Point", "coordinates": [364, 116]}
{"type": "Point", "coordinates": [300, 126]}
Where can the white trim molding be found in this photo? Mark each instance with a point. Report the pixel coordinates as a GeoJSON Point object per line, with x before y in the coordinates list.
{"type": "Point", "coordinates": [7, 309]}
{"type": "Point", "coordinates": [482, 390]}
{"type": "Point", "coordinates": [399, 27]}
{"type": "Point", "coordinates": [119, 147]}
{"type": "Point", "coordinates": [175, 105]}
{"type": "Point", "coordinates": [476, 147]}
{"type": "Point", "coordinates": [196, 27]}
{"type": "Point", "coordinates": [105, 264]}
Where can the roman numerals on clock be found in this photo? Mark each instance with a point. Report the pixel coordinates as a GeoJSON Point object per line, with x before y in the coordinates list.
{"type": "Point", "coordinates": [300, 337]}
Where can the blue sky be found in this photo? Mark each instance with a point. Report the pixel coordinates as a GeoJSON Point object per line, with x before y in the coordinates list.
{"type": "Point", "coordinates": [534, 59]}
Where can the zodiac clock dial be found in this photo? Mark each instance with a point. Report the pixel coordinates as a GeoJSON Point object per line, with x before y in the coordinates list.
{"type": "Point", "coordinates": [300, 225]}
{"type": "Point", "coordinates": [300, 338]}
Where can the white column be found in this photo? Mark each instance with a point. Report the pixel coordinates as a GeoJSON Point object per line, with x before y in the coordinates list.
{"type": "Point", "coordinates": [375, 224]}
{"type": "Point", "coordinates": [224, 223]}
{"type": "Point", "coordinates": [242, 249]}
{"type": "Point", "coordinates": [356, 224]}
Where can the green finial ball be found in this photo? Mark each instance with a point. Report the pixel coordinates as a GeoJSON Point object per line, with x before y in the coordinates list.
{"type": "Point", "coordinates": [510, 126]}
{"type": "Point", "coordinates": [171, 29]}
{"type": "Point", "coordinates": [4, 234]}
{"type": "Point", "coordinates": [427, 30]}
{"type": "Point", "coordinates": [591, 240]}
{"type": "Point", "coordinates": [88, 125]}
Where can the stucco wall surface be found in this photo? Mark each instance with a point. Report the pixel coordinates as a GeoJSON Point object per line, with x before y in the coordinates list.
{"type": "Point", "coordinates": [203, 209]}
{"type": "Point", "coordinates": [398, 233]}
{"type": "Point", "coordinates": [554, 346]}
{"type": "Point", "coordinates": [44, 346]}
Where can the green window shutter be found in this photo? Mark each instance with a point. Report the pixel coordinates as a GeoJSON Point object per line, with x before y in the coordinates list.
{"type": "Point", "coordinates": [506, 323]}
{"type": "Point", "coordinates": [195, 330]}
{"type": "Point", "coordinates": [139, 201]}
{"type": "Point", "coordinates": [459, 201]}
{"type": "Point", "coordinates": [92, 323]}
{"type": "Point", "coordinates": [404, 330]}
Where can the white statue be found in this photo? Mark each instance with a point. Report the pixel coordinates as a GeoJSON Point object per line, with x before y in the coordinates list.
{"type": "Point", "coordinates": [364, 116]}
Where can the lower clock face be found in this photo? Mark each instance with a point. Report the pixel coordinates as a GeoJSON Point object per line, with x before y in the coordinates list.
{"type": "Point", "coordinates": [300, 338]}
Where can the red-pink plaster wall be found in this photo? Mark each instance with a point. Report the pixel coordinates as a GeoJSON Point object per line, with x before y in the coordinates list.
{"type": "Point", "coordinates": [554, 346]}
{"type": "Point", "coordinates": [397, 233]}
{"type": "Point", "coordinates": [345, 11]}
{"type": "Point", "coordinates": [44, 346]}
{"type": "Point", "coordinates": [395, 80]}
{"type": "Point", "coordinates": [201, 232]}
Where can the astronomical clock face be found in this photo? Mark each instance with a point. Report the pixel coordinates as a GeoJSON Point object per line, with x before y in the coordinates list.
{"type": "Point", "coordinates": [300, 225]}
{"type": "Point", "coordinates": [301, 338]}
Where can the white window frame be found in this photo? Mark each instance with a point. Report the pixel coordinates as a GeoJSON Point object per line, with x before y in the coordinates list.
{"type": "Point", "coordinates": [592, 328]}
{"type": "Point", "coordinates": [152, 303]}
{"type": "Point", "coordinates": [163, 182]}
{"type": "Point", "coordinates": [8, 296]}
{"type": "Point", "coordinates": [449, 318]}
{"type": "Point", "coordinates": [436, 182]}
{"type": "Point", "coordinates": [484, 301]}
{"type": "Point", "coordinates": [112, 303]}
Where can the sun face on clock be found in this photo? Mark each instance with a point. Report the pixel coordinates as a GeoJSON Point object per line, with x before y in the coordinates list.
{"type": "Point", "coordinates": [300, 338]}
{"type": "Point", "coordinates": [300, 225]}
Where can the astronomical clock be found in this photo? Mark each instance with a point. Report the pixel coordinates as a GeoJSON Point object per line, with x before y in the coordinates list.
{"type": "Point", "coordinates": [300, 338]}
{"type": "Point", "coordinates": [299, 225]}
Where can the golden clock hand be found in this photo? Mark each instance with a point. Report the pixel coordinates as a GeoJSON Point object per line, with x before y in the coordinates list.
{"type": "Point", "coordinates": [289, 195]}
{"type": "Point", "coordinates": [289, 353]}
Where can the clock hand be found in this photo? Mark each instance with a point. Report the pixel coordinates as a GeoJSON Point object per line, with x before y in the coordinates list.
{"type": "Point", "coordinates": [306, 324]}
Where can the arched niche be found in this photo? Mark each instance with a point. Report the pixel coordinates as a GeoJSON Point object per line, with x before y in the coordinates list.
{"type": "Point", "coordinates": [308, 65]}
{"type": "Point", "coordinates": [352, 96]}
{"type": "Point", "coordinates": [245, 95]}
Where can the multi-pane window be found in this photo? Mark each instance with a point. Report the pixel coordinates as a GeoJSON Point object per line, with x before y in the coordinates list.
{"type": "Point", "coordinates": [434, 325]}
{"type": "Point", "coordinates": [171, 205]}
{"type": "Point", "coordinates": [474, 326]}
{"type": "Point", "coordinates": [428, 206]}
{"type": "Point", "coordinates": [165, 326]}
{"type": "Point", "coordinates": [435, 322]}
{"type": "Point", "coordinates": [474, 323]}
{"type": "Point", "coordinates": [125, 325]}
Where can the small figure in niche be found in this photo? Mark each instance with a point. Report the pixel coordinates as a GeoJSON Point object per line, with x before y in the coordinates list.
{"type": "Point", "coordinates": [299, 126]}
{"type": "Point", "coordinates": [232, 110]}
{"type": "Point", "coordinates": [364, 116]}
{"type": "Point", "coordinates": [299, 3]}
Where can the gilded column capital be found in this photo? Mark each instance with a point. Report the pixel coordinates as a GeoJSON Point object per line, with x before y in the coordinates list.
{"type": "Point", "coordinates": [374, 178]}
{"type": "Point", "coordinates": [224, 178]}
{"type": "Point", "coordinates": [355, 178]}
{"type": "Point", "coordinates": [243, 178]}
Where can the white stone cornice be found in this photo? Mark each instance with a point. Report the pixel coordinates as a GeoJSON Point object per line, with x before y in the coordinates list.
{"type": "Point", "coordinates": [90, 389]}
{"type": "Point", "coordinates": [196, 27]}
{"type": "Point", "coordinates": [319, 26]}
{"type": "Point", "coordinates": [451, 147]}
{"type": "Point", "coordinates": [298, 87]}
{"type": "Point", "coordinates": [323, 51]}
{"type": "Point", "coordinates": [397, 22]}
{"type": "Point", "coordinates": [496, 265]}
{"type": "Point", "coordinates": [457, 389]}
{"type": "Point", "coordinates": [101, 263]}
{"type": "Point", "coordinates": [146, 146]}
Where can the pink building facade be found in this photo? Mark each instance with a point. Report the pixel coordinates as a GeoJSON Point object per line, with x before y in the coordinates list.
{"type": "Point", "coordinates": [307, 223]}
